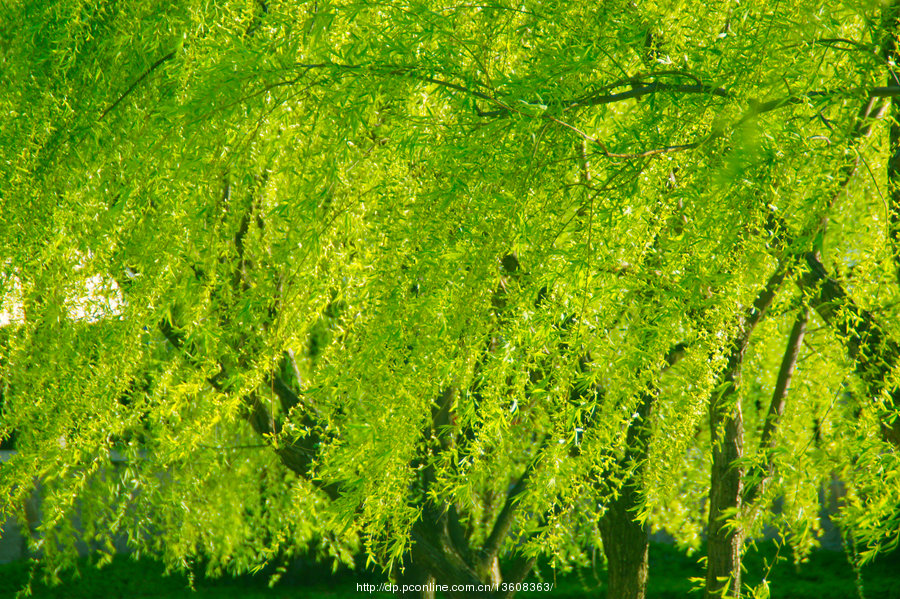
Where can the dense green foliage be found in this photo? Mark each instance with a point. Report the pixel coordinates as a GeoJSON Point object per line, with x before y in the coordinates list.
{"type": "Point", "coordinates": [409, 277]}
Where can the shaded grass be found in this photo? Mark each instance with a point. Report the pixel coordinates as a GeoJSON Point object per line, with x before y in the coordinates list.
{"type": "Point", "coordinates": [126, 578]}
{"type": "Point", "coordinates": [826, 575]}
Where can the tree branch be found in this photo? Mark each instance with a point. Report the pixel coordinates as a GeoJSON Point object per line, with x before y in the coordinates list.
{"type": "Point", "coordinates": [891, 53]}
{"type": "Point", "coordinates": [298, 455]}
{"type": "Point", "coordinates": [137, 81]}
{"type": "Point", "coordinates": [862, 127]}
{"type": "Point", "coordinates": [520, 570]}
{"type": "Point", "coordinates": [757, 488]}
{"type": "Point", "coordinates": [504, 520]}
{"type": "Point", "coordinates": [469, 434]}
{"type": "Point", "coordinates": [288, 398]}
{"type": "Point", "coordinates": [726, 429]}
{"type": "Point", "coordinates": [783, 382]}
{"type": "Point", "coordinates": [874, 353]}
{"type": "Point", "coordinates": [640, 90]}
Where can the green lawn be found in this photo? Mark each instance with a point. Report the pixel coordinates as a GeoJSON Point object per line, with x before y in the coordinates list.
{"type": "Point", "coordinates": [827, 575]}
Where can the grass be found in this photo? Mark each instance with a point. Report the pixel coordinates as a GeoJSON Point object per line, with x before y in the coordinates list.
{"type": "Point", "coordinates": [125, 578]}
{"type": "Point", "coordinates": [827, 575]}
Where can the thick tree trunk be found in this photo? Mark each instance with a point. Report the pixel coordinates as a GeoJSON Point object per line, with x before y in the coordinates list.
{"type": "Point", "coordinates": [625, 540]}
{"type": "Point", "coordinates": [625, 543]}
{"type": "Point", "coordinates": [723, 570]}
{"type": "Point", "coordinates": [415, 583]}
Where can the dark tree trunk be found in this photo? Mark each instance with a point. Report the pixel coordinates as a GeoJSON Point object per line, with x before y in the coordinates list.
{"type": "Point", "coordinates": [414, 576]}
{"type": "Point", "coordinates": [625, 541]}
{"type": "Point", "coordinates": [726, 429]}
{"type": "Point", "coordinates": [625, 544]}
{"type": "Point", "coordinates": [891, 53]}
{"type": "Point", "coordinates": [724, 544]}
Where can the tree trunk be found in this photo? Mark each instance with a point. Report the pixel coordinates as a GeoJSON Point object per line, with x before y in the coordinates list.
{"type": "Point", "coordinates": [417, 578]}
{"type": "Point", "coordinates": [625, 543]}
{"type": "Point", "coordinates": [726, 430]}
{"type": "Point", "coordinates": [891, 53]}
{"type": "Point", "coordinates": [723, 569]}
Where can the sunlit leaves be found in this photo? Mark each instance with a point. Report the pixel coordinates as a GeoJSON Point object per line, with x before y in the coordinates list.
{"type": "Point", "coordinates": [190, 192]}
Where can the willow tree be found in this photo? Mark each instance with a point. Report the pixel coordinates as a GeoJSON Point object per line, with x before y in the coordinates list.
{"type": "Point", "coordinates": [456, 285]}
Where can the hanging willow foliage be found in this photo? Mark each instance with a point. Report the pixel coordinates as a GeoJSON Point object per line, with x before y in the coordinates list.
{"type": "Point", "coordinates": [457, 285]}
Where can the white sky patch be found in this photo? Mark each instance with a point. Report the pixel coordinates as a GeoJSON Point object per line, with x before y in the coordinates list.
{"type": "Point", "coordinates": [90, 299]}
{"type": "Point", "coordinates": [11, 300]}
{"type": "Point", "coordinates": [97, 297]}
